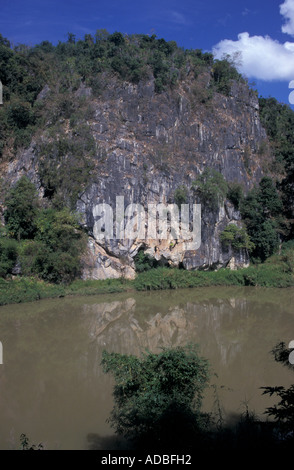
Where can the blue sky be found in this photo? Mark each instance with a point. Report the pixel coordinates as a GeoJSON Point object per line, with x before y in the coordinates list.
{"type": "Point", "coordinates": [260, 31]}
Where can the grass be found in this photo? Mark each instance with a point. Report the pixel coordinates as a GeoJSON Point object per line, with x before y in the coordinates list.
{"type": "Point", "coordinates": [277, 271]}
{"type": "Point", "coordinates": [24, 289]}
{"type": "Point", "coordinates": [261, 276]}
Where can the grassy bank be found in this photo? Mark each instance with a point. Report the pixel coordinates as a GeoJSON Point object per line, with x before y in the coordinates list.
{"type": "Point", "coordinates": [261, 276]}
{"type": "Point", "coordinates": [25, 289]}
{"type": "Point", "coordinates": [277, 271]}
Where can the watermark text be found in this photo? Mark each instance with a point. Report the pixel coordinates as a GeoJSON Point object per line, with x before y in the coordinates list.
{"type": "Point", "coordinates": [156, 222]}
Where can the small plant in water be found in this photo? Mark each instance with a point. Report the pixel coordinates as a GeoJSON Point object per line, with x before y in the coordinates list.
{"type": "Point", "coordinates": [25, 444]}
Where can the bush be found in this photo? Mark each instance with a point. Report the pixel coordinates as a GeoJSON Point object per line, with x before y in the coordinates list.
{"type": "Point", "coordinates": [223, 72]}
{"type": "Point", "coordinates": [158, 397]}
{"type": "Point", "coordinates": [235, 194]}
{"type": "Point", "coordinates": [144, 262]}
{"type": "Point", "coordinates": [211, 187]}
{"type": "Point", "coordinates": [283, 411]}
{"type": "Point", "coordinates": [63, 243]}
{"type": "Point", "coordinates": [8, 256]}
{"type": "Point", "coordinates": [181, 195]}
{"type": "Point", "coordinates": [21, 209]}
{"type": "Point", "coordinates": [236, 237]}
{"type": "Point", "coordinates": [20, 115]}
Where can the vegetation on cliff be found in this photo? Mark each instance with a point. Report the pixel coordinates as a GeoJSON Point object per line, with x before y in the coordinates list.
{"type": "Point", "coordinates": [45, 242]}
{"type": "Point", "coordinates": [42, 236]}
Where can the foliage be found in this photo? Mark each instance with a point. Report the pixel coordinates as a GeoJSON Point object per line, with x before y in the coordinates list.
{"type": "Point", "coordinates": [235, 194]}
{"type": "Point", "coordinates": [144, 262]}
{"type": "Point", "coordinates": [158, 397]}
{"type": "Point", "coordinates": [54, 254]}
{"type": "Point", "coordinates": [211, 187]}
{"type": "Point", "coordinates": [28, 289]}
{"type": "Point", "coordinates": [25, 70]}
{"type": "Point", "coordinates": [236, 237]}
{"type": "Point", "coordinates": [277, 271]}
{"type": "Point", "coordinates": [181, 195]}
{"type": "Point", "coordinates": [223, 72]}
{"type": "Point", "coordinates": [21, 209]}
{"type": "Point", "coordinates": [65, 166]}
{"type": "Point", "coordinates": [278, 120]}
{"type": "Point", "coordinates": [283, 411]}
{"type": "Point", "coordinates": [52, 241]}
{"type": "Point", "coordinates": [261, 211]}
{"type": "Point", "coordinates": [25, 444]}
{"type": "Point", "coordinates": [8, 256]}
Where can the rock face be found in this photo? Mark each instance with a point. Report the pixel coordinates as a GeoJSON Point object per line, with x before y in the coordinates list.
{"type": "Point", "coordinates": [148, 145]}
{"type": "Point", "coordinates": [157, 143]}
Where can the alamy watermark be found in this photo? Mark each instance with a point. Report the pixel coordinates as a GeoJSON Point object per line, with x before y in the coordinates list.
{"type": "Point", "coordinates": [1, 353]}
{"type": "Point", "coordinates": [291, 355]}
{"type": "Point", "coordinates": [156, 222]}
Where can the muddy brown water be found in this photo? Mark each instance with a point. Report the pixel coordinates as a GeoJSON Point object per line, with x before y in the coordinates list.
{"type": "Point", "coordinates": [52, 387]}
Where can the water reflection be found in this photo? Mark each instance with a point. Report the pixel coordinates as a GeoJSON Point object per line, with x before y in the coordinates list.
{"type": "Point", "coordinates": [51, 383]}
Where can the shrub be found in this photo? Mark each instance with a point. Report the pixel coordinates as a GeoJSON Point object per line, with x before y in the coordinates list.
{"type": "Point", "coordinates": [21, 209]}
{"type": "Point", "coordinates": [235, 194]}
{"type": "Point", "coordinates": [211, 187]}
{"type": "Point", "coordinates": [8, 255]}
{"type": "Point", "coordinates": [158, 397]}
{"type": "Point", "coordinates": [236, 237]}
{"type": "Point", "coordinates": [181, 195]}
{"type": "Point", "coordinates": [144, 262]}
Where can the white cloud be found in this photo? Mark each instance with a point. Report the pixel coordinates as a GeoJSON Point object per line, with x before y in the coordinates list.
{"type": "Point", "coordinates": [262, 57]}
{"type": "Point", "coordinates": [287, 10]}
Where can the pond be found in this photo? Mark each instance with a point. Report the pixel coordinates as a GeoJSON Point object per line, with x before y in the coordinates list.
{"type": "Point", "coordinates": [53, 389]}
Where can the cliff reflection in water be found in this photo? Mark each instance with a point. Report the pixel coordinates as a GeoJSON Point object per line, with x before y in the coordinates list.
{"type": "Point", "coordinates": [235, 333]}
{"type": "Point", "coordinates": [52, 385]}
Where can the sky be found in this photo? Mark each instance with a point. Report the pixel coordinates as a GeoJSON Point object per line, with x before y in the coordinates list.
{"type": "Point", "coordinates": [258, 33]}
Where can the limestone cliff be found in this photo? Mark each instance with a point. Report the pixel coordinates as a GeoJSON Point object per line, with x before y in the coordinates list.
{"type": "Point", "coordinates": [148, 145]}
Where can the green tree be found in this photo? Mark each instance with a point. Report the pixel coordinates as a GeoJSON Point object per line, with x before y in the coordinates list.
{"type": "Point", "coordinates": [158, 397]}
{"type": "Point", "coordinates": [181, 195]}
{"type": "Point", "coordinates": [261, 210]}
{"type": "Point", "coordinates": [283, 411]}
{"type": "Point", "coordinates": [21, 209]}
{"type": "Point", "coordinates": [236, 237]}
{"type": "Point", "coordinates": [211, 187]}
{"type": "Point", "coordinates": [8, 255]}
{"type": "Point", "coordinates": [144, 262]}
{"type": "Point", "coordinates": [235, 194]}
{"type": "Point", "coordinates": [268, 198]}
{"type": "Point", "coordinates": [223, 71]}
{"type": "Point", "coordinates": [60, 245]}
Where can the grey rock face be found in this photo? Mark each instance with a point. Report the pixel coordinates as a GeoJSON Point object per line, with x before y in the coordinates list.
{"type": "Point", "coordinates": [156, 143]}
{"type": "Point", "coordinates": [148, 145]}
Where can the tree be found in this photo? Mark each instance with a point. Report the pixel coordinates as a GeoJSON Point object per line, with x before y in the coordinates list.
{"type": "Point", "coordinates": [283, 412]}
{"type": "Point", "coordinates": [268, 198]}
{"type": "Point", "coordinates": [236, 237]}
{"type": "Point", "coordinates": [8, 255]}
{"type": "Point", "coordinates": [211, 187]}
{"type": "Point", "coordinates": [21, 209]}
{"type": "Point", "coordinates": [261, 210]}
{"type": "Point", "coordinates": [223, 71]}
{"type": "Point", "coordinates": [235, 194]}
{"type": "Point", "coordinates": [158, 396]}
{"type": "Point", "coordinates": [181, 195]}
{"type": "Point", "coordinates": [58, 246]}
